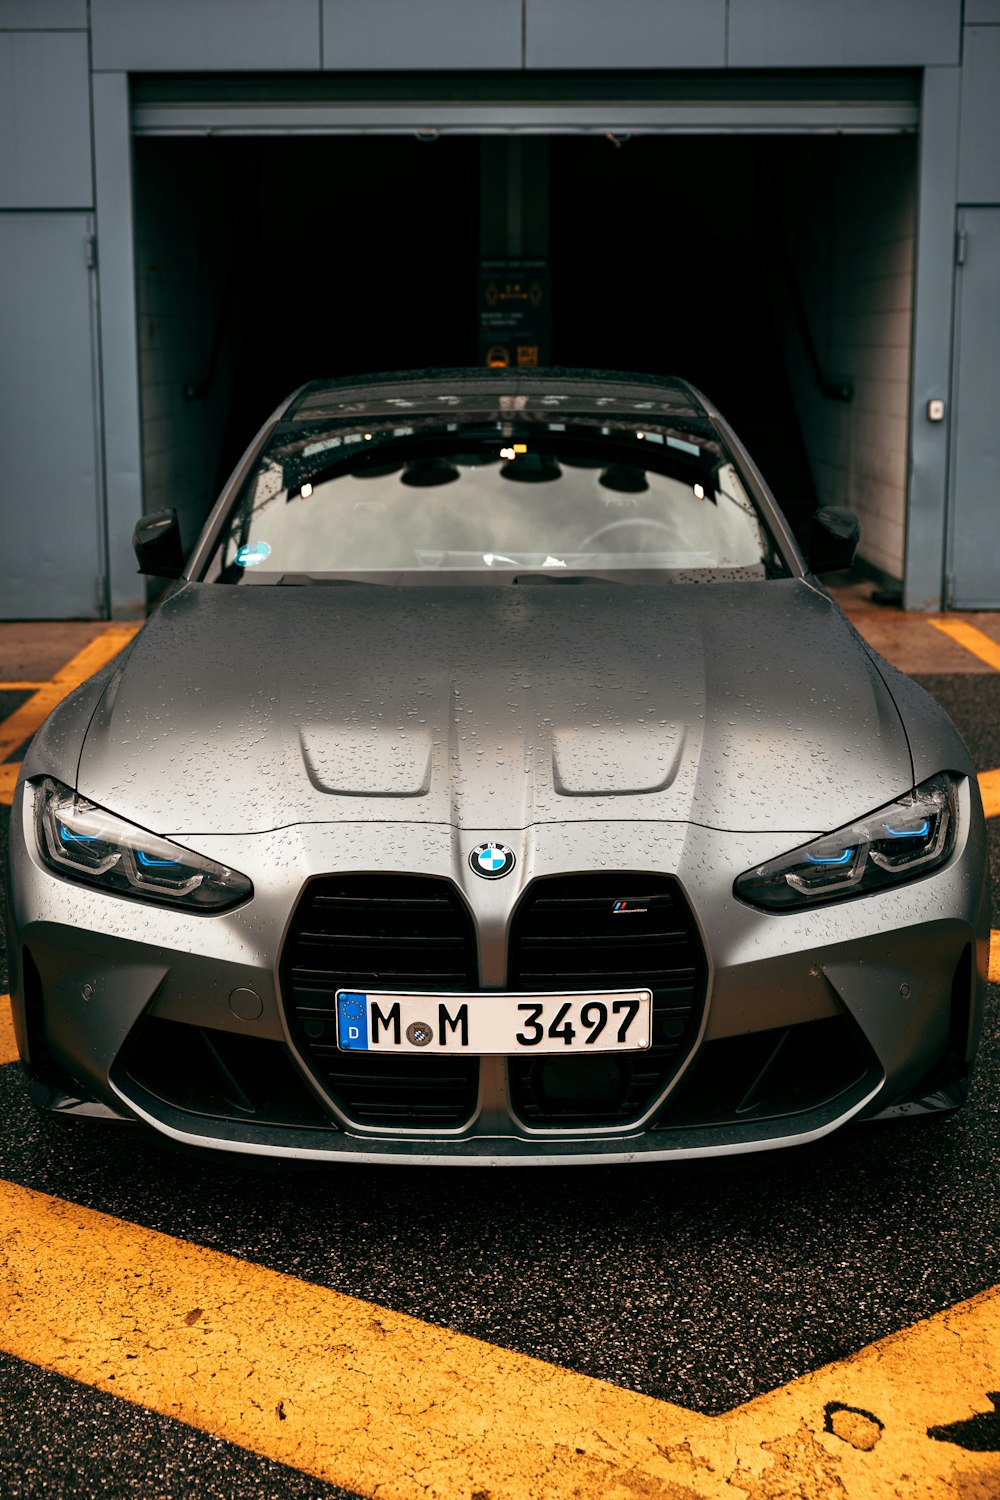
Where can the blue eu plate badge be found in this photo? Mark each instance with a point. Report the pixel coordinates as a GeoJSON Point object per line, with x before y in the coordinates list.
{"type": "Point", "coordinates": [352, 1022]}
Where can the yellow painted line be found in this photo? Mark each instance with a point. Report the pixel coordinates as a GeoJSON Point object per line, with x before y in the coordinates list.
{"type": "Point", "coordinates": [380, 1403]}
{"type": "Point", "coordinates": [972, 639]}
{"type": "Point", "coordinates": [19, 687]}
{"type": "Point", "coordinates": [8, 780]}
{"type": "Point", "coordinates": [25, 720]}
{"type": "Point", "coordinates": [993, 972]}
{"type": "Point", "coordinates": [989, 787]}
{"type": "Point", "coordinates": [8, 1046]}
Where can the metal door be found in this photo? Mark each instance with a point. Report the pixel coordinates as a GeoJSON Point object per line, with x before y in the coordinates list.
{"type": "Point", "coordinates": [50, 545]}
{"type": "Point", "coordinates": [974, 512]}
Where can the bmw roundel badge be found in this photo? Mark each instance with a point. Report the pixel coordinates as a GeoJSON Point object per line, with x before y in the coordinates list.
{"type": "Point", "coordinates": [491, 861]}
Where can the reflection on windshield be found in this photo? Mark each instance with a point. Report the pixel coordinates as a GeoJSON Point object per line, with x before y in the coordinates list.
{"type": "Point", "coordinates": [487, 500]}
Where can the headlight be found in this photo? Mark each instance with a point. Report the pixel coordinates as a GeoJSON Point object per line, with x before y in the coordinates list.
{"type": "Point", "coordinates": [80, 841]}
{"type": "Point", "coordinates": [899, 842]}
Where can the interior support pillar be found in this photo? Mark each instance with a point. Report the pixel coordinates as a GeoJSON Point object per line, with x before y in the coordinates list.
{"type": "Point", "coordinates": [514, 197]}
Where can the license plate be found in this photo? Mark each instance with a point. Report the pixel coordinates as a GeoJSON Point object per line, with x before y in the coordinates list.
{"type": "Point", "coordinates": [499, 1025]}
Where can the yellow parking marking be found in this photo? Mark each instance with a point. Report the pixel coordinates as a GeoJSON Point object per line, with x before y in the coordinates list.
{"type": "Point", "coordinates": [989, 787]}
{"type": "Point", "coordinates": [24, 721]}
{"type": "Point", "coordinates": [97, 653]}
{"type": "Point", "coordinates": [380, 1403]}
{"type": "Point", "coordinates": [972, 639]}
{"type": "Point", "coordinates": [19, 687]}
{"type": "Point", "coordinates": [993, 972]}
{"type": "Point", "coordinates": [8, 1046]}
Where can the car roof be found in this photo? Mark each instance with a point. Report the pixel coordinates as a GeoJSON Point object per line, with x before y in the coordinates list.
{"type": "Point", "coordinates": [508, 390]}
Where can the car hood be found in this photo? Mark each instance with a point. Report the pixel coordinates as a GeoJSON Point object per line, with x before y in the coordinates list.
{"type": "Point", "coordinates": [739, 706]}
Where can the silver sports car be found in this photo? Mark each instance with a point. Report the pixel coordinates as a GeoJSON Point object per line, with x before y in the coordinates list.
{"type": "Point", "coordinates": [496, 783]}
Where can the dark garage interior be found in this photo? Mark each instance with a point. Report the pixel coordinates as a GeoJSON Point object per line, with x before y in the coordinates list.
{"type": "Point", "coordinates": [774, 272]}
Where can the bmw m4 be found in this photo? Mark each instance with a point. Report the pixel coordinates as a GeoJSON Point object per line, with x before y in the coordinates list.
{"type": "Point", "coordinates": [495, 782]}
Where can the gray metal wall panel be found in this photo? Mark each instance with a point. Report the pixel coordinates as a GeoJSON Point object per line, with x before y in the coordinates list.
{"type": "Point", "coordinates": [399, 34]}
{"type": "Point", "coordinates": [987, 11]}
{"type": "Point", "coordinates": [119, 341]}
{"type": "Point", "coordinates": [628, 34]}
{"type": "Point", "coordinates": [44, 120]}
{"type": "Point", "coordinates": [43, 15]}
{"type": "Point", "coordinates": [843, 33]}
{"type": "Point", "coordinates": [975, 536]}
{"type": "Point", "coordinates": [196, 35]}
{"type": "Point", "coordinates": [979, 158]}
{"type": "Point", "coordinates": [933, 295]}
{"type": "Point", "coordinates": [48, 479]}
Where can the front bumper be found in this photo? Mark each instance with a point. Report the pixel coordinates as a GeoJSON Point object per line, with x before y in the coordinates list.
{"type": "Point", "coordinates": [902, 975]}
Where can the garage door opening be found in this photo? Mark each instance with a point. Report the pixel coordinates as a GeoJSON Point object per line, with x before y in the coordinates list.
{"type": "Point", "coordinates": [777, 275]}
{"type": "Point", "coordinates": [774, 272]}
{"type": "Point", "coordinates": [265, 263]}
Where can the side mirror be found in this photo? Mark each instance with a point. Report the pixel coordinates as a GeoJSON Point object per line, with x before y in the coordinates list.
{"type": "Point", "coordinates": [157, 544]}
{"type": "Point", "coordinates": [835, 536]}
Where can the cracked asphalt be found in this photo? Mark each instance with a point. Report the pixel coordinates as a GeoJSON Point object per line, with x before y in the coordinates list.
{"type": "Point", "coordinates": [705, 1286]}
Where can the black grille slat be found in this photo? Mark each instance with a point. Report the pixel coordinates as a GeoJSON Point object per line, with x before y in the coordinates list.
{"type": "Point", "coordinates": [401, 1114]}
{"type": "Point", "coordinates": [652, 978]}
{"type": "Point", "coordinates": [655, 902]}
{"type": "Point", "coordinates": [567, 936]}
{"type": "Point", "coordinates": [616, 944]}
{"type": "Point", "coordinates": [390, 981]}
{"type": "Point", "coordinates": [388, 932]}
{"type": "Point", "coordinates": [379, 902]}
{"type": "Point", "coordinates": [387, 1081]}
{"type": "Point", "coordinates": [426, 979]}
{"type": "Point", "coordinates": [359, 938]}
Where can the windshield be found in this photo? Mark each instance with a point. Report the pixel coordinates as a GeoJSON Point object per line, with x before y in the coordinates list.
{"type": "Point", "coordinates": [434, 500]}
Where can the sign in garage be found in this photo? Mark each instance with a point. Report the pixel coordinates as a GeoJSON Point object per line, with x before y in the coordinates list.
{"type": "Point", "coordinates": [514, 313]}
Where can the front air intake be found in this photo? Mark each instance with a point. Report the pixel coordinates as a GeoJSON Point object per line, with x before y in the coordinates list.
{"type": "Point", "coordinates": [606, 932]}
{"type": "Point", "coordinates": [370, 933]}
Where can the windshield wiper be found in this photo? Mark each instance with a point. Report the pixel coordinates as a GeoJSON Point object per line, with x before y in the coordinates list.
{"type": "Point", "coordinates": [302, 580]}
{"type": "Point", "coordinates": [563, 578]}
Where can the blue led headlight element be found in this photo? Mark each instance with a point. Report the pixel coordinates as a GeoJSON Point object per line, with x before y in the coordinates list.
{"type": "Point", "coordinates": [899, 842]}
{"type": "Point", "coordinates": [80, 841]}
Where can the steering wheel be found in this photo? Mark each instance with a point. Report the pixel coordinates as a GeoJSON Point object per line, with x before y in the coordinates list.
{"type": "Point", "coordinates": [630, 525]}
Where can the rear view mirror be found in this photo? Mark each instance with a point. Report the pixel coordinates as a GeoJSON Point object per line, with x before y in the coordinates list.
{"type": "Point", "coordinates": [835, 536]}
{"type": "Point", "coordinates": [157, 543]}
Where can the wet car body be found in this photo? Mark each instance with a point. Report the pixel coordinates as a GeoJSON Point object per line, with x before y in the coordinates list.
{"type": "Point", "coordinates": [638, 745]}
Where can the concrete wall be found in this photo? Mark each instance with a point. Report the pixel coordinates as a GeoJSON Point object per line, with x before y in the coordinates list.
{"type": "Point", "coordinates": [849, 212]}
